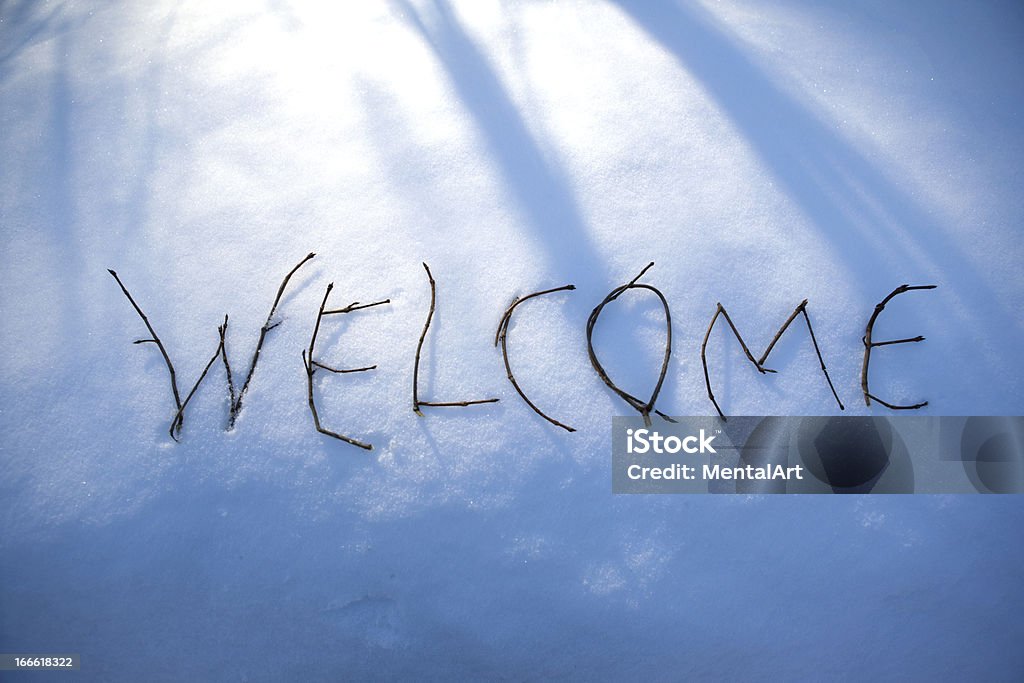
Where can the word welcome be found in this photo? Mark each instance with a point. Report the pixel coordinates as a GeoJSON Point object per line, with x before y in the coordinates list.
{"type": "Point", "coordinates": [237, 390]}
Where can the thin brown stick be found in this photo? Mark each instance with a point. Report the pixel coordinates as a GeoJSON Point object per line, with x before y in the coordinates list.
{"type": "Point", "coordinates": [743, 344]}
{"type": "Point", "coordinates": [311, 366]}
{"type": "Point", "coordinates": [416, 402]}
{"type": "Point", "coordinates": [895, 407]}
{"type": "Point", "coordinates": [236, 404]}
{"type": "Point", "coordinates": [227, 366]}
{"type": "Point", "coordinates": [343, 372]}
{"type": "Point", "coordinates": [644, 408]}
{"type": "Point", "coordinates": [316, 328]}
{"type": "Point", "coordinates": [801, 309]}
{"type": "Point", "coordinates": [759, 362]}
{"type": "Point", "coordinates": [155, 339]}
{"type": "Point", "coordinates": [869, 344]}
{"type": "Point", "coordinates": [220, 349]}
{"type": "Point", "coordinates": [419, 345]}
{"type": "Point", "coordinates": [704, 359]}
{"type": "Point", "coordinates": [821, 360]}
{"type": "Point", "coordinates": [501, 337]}
{"type": "Point", "coordinates": [356, 306]}
{"type": "Point", "coordinates": [898, 341]}
{"type": "Point", "coordinates": [316, 416]}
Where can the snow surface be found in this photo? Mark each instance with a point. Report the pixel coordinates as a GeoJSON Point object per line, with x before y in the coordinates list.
{"type": "Point", "coordinates": [759, 154]}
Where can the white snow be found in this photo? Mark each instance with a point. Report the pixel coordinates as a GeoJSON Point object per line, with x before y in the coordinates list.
{"type": "Point", "coordinates": [759, 153]}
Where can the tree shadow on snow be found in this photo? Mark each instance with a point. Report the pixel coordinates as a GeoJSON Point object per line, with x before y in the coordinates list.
{"type": "Point", "coordinates": [537, 183]}
{"type": "Point", "coordinates": [871, 223]}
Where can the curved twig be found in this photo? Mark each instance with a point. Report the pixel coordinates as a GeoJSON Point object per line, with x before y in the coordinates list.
{"type": "Point", "coordinates": [896, 407]}
{"type": "Point", "coordinates": [416, 402]}
{"type": "Point", "coordinates": [419, 344]}
{"type": "Point", "coordinates": [644, 408]}
{"type": "Point", "coordinates": [704, 358]}
{"type": "Point", "coordinates": [501, 337]}
{"type": "Point", "coordinates": [869, 344]}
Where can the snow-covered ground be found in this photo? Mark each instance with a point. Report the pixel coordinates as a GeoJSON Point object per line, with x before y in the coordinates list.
{"type": "Point", "coordinates": [759, 153]}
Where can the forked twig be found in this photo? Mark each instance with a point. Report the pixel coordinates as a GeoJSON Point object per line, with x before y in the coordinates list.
{"type": "Point", "coordinates": [416, 402]}
{"type": "Point", "coordinates": [181, 411]}
{"type": "Point", "coordinates": [759, 362]}
{"type": "Point", "coordinates": [501, 337]}
{"type": "Point", "coordinates": [155, 339]}
{"type": "Point", "coordinates": [236, 399]}
{"type": "Point", "coordinates": [869, 344]}
{"type": "Point", "coordinates": [311, 366]}
{"type": "Point", "coordinates": [644, 408]}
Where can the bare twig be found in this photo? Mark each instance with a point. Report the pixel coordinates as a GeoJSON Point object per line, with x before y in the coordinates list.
{"type": "Point", "coordinates": [644, 408]}
{"type": "Point", "coordinates": [311, 366]}
{"type": "Point", "coordinates": [181, 411]}
{"type": "Point", "coordinates": [898, 341]}
{"type": "Point", "coordinates": [356, 306]}
{"type": "Point", "coordinates": [155, 339]}
{"type": "Point", "coordinates": [869, 344]}
{"type": "Point", "coordinates": [895, 407]}
{"type": "Point", "coordinates": [236, 402]}
{"type": "Point", "coordinates": [458, 404]}
{"type": "Point", "coordinates": [227, 366]}
{"type": "Point", "coordinates": [817, 350]}
{"type": "Point", "coordinates": [343, 372]}
{"type": "Point", "coordinates": [704, 357]}
{"type": "Point", "coordinates": [501, 337]}
{"type": "Point", "coordinates": [416, 402]}
{"type": "Point", "coordinates": [759, 362]}
{"type": "Point", "coordinates": [801, 309]}
{"type": "Point", "coordinates": [419, 345]}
